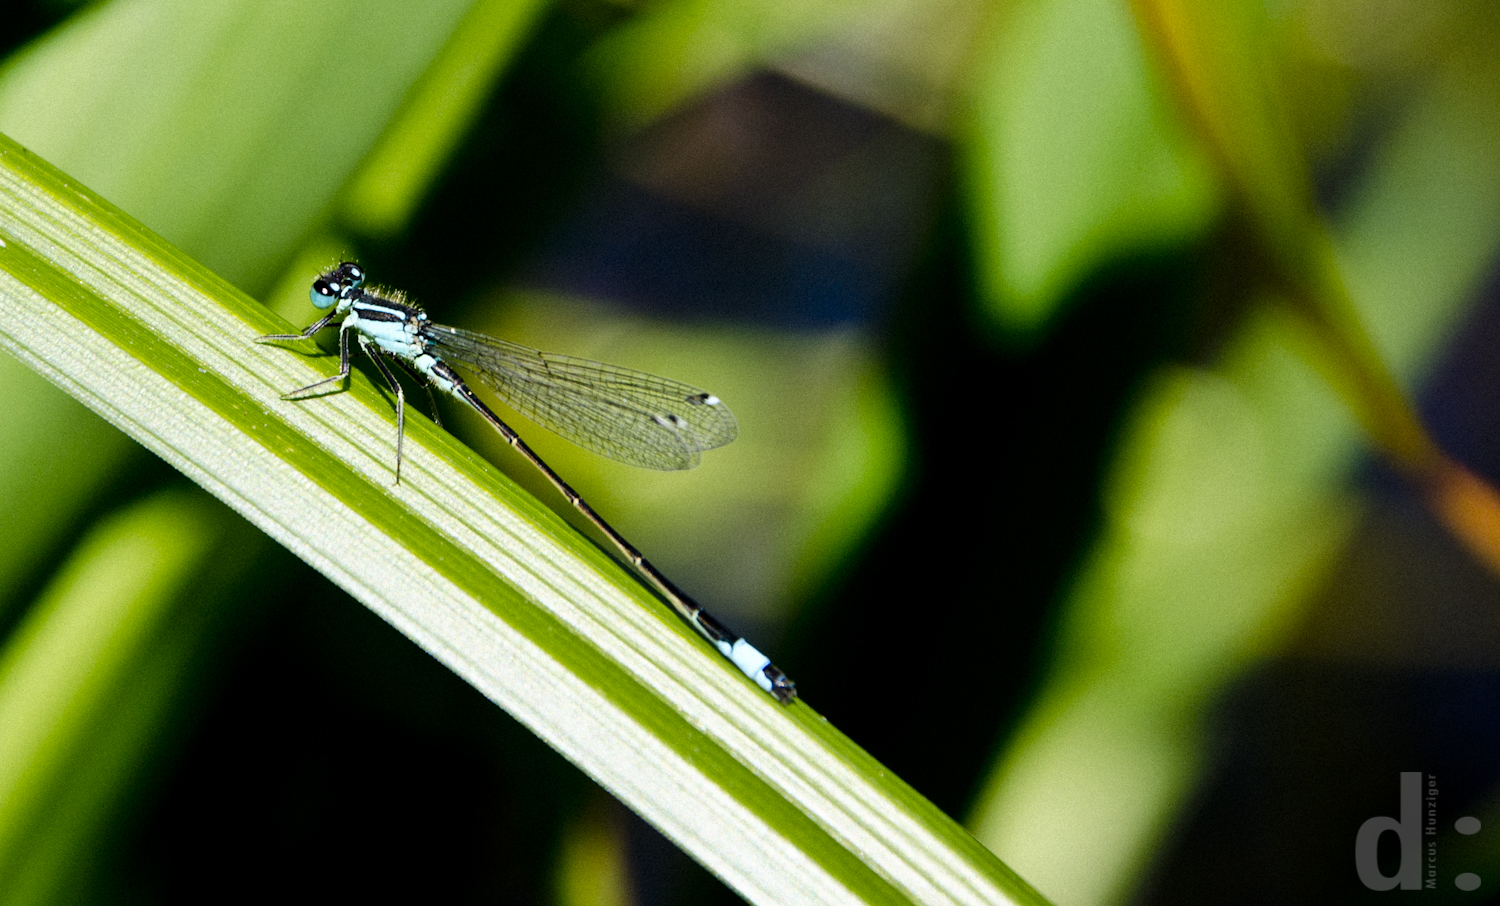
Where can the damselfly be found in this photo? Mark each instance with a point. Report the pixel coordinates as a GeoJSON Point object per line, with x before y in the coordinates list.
{"type": "Point", "coordinates": [626, 415]}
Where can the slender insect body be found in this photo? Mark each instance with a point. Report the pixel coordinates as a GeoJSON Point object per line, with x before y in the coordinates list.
{"type": "Point", "coordinates": [746, 657]}
{"type": "Point", "coordinates": [442, 376]}
{"type": "Point", "coordinates": [626, 415]}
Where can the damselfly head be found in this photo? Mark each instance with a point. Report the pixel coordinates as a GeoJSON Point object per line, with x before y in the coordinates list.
{"type": "Point", "coordinates": [336, 284]}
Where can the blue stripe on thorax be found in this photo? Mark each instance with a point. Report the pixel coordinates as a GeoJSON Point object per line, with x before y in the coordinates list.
{"type": "Point", "coordinates": [393, 327]}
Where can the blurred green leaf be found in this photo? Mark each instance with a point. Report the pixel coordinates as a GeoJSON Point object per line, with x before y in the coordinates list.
{"type": "Point", "coordinates": [1071, 157]}
{"type": "Point", "coordinates": [593, 867]}
{"type": "Point", "coordinates": [678, 49]}
{"type": "Point", "coordinates": [54, 457]}
{"type": "Point", "coordinates": [226, 127]}
{"type": "Point", "coordinates": [441, 107]}
{"type": "Point", "coordinates": [899, 57]}
{"type": "Point", "coordinates": [1226, 502]}
{"type": "Point", "coordinates": [1219, 61]}
{"type": "Point", "coordinates": [90, 678]}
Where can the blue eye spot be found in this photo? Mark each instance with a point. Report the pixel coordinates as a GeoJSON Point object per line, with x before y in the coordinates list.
{"type": "Point", "coordinates": [323, 294]}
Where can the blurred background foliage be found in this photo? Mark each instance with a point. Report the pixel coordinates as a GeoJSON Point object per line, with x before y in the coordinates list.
{"type": "Point", "coordinates": [1045, 491]}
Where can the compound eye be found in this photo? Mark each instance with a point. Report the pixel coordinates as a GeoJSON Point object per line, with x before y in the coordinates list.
{"type": "Point", "coordinates": [323, 293]}
{"type": "Point", "coordinates": [352, 274]}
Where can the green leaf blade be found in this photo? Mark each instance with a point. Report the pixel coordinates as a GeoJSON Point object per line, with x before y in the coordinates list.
{"type": "Point", "coordinates": [481, 575]}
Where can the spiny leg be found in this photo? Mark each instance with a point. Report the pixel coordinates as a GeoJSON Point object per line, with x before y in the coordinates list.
{"type": "Point", "coordinates": [425, 385]}
{"type": "Point", "coordinates": [306, 334]}
{"type": "Point", "coordinates": [379, 360]}
{"type": "Point", "coordinates": [340, 378]}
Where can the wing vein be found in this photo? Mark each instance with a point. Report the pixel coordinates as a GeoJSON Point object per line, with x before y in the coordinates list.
{"type": "Point", "coordinates": [626, 415]}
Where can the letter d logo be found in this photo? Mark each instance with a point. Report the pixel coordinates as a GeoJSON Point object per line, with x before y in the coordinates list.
{"type": "Point", "coordinates": [1409, 829]}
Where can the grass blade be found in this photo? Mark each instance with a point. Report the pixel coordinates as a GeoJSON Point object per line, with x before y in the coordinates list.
{"type": "Point", "coordinates": [491, 582]}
